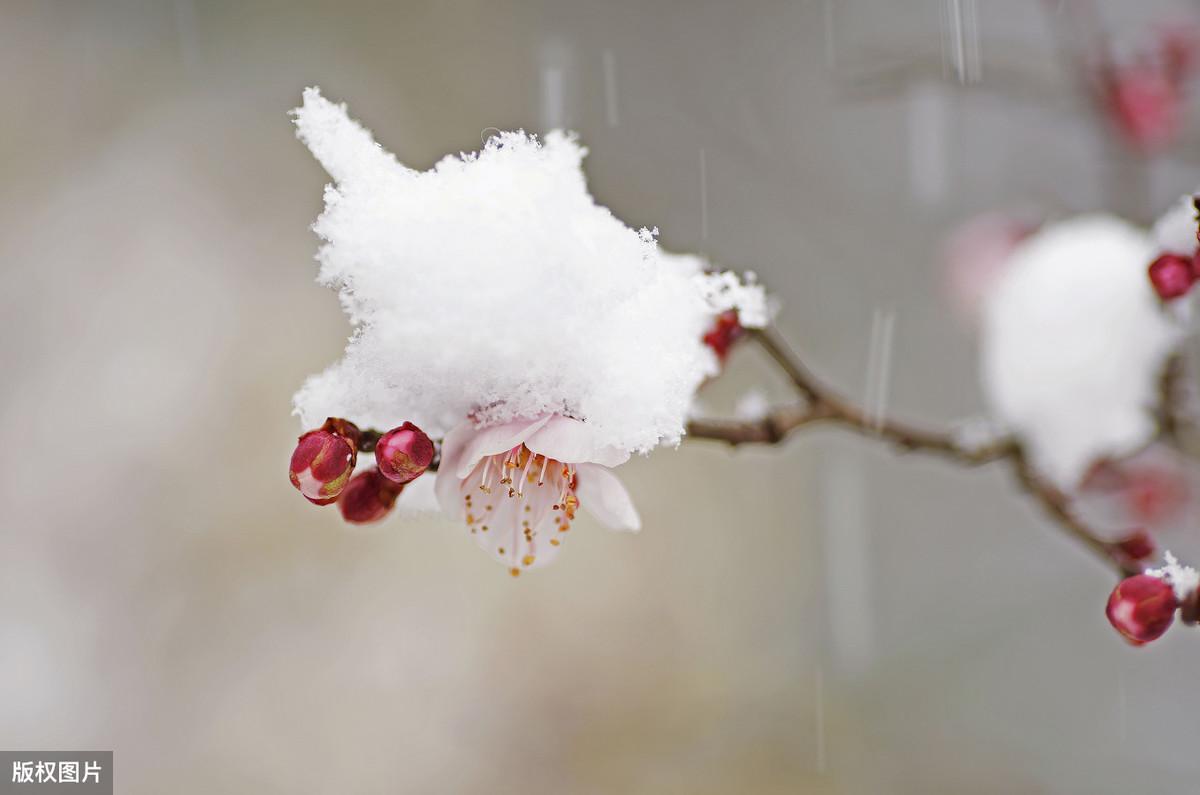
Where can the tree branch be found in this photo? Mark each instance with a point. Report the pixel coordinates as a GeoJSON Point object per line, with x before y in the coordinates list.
{"type": "Point", "coordinates": [822, 404]}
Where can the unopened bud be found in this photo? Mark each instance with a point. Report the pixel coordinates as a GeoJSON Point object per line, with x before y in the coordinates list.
{"type": "Point", "coordinates": [321, 465]}
{"type": "Point", "coordinates": [725, 331]}
{"type": "Point", "coordinates": [368, 497]}
{"type": "Point", "coordinates": [1136, 546]}
{"type": "Point", "coordinates": [404, 453]}
{"type": "Point", "coordinates": [1141, 608]}
{"type": "Point", "coordinates": [1172, 276]}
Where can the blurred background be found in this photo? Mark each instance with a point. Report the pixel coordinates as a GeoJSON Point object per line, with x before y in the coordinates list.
{"type": "Point", "coordinates": [825, 617]}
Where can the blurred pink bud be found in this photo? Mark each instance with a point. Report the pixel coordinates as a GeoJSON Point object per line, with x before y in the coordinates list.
{"type": "Point", "coordinates": [323, 461]}
{"type": "Point", "coordinates": [404, 453]}
{"type": "Point", "coordinates": [1138, 545]}
{"type": "Point", "coordinates": [1146, 106]}
{"type": "Point", "coordinates": [368, 497]}
{"type": "Point", "coordinates": [1172, 276]}
{"type": "Point", "coordinates": [1156, 495]}
{"type": "Point", "coordinates": [976, 254]}
{"type": "Point", "coordinates": [1141, 608]}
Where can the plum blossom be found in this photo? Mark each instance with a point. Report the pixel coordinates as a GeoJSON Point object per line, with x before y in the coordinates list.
{"type": "Point", "coordinates": [493, 287]}
{"type": "Point", "coordinates": [517, 486]}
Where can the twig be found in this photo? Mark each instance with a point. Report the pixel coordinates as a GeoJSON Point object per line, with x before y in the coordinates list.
{"type": "Point", "coordinates": [1171, 417]}
{"type": "Point", "coordinates": [821, 404]}
{"type": "Point", "coordinates": [1058, 506]}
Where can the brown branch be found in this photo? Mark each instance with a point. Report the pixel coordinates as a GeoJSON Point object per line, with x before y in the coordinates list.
{"type": "Point", "coordinates": [1171, 417]}
{"type": "Point", "coordinates": [1058, 506]}
{"type": "Point", "coordinates": [821, 404]}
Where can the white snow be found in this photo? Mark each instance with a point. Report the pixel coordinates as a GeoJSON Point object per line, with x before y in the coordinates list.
{"type": "Point", "coordinates": [494, 286]}
{"type": "Point", "coordinates": [1182, 579]}
{"type": "Point", "coordinates": [728, 290]}
{"type": "Point", "coordinates": [753, 405]}
{"type": "Point", "coordinates": [976, 433]}
{"type": "Point", "coordinates": [1074, 342]}
{"type": "Point", "coordinates": [1175, 231]}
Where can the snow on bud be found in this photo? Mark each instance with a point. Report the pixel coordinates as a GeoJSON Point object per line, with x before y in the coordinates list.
{"type": "Point", "coordinates": [1172, 276]}
{"type": "Point", "coordinates": [368, 497]}
{"type": "Point", "coordinates": [1142, 607]}
{"type": "Point", "coordinates": [324, 460]}
{"type": "Point", "coordinates": [1176, 231]}
{"type": "Point", "coordinates": [403, 453]}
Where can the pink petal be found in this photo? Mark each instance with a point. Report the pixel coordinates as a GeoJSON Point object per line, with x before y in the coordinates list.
{"type": "Point", "coordinates": [446, 486]}
{"type": "Point", "coordinates": [496, 439]}
{"type": "Point", "coordinates": [602, 495]}
{"type": "Point", "coordinates": [504, 517]}
{"type": "Point", "coordinates": [573, 442]}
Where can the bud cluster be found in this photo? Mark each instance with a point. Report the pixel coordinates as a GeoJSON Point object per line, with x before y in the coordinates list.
{"type": "Point", "coordinates": [322, 467]}
{"type": "Point", "coordinates": [1142, 607]}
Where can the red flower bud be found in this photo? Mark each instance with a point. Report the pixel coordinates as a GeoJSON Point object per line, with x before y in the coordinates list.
{"type": "Point", "coordinates": [724, 333]}
{"type": "Point", "coordinates": [403, 453]}
{"type": "Point", "coordinates": [1172, 276]}
{"type": "Point", "coordinates": [1138, 545]}
{"type": "Point", "coordinates": [322, 464]}
{"type": "Point", "coordinates": [368, 497]}
{"type": "Point", "coordinates": [1141, 608]}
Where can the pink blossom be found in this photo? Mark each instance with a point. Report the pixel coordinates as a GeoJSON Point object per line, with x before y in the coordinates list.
{"type": "Point", "coordinates": [1146, 105]}
{"type": "Point", "coordinates": [517, 486]}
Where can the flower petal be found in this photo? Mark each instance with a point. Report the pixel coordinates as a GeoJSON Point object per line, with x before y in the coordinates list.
{"type": "Point", "coordinates": [496, 439]}
{"type": "Point", "coordinates": [447, 486]}
{"type": "Point", "coordinates": [603, 496]}
{"type": "Point", "coordinates": [520, 532]}
{"type": "Point", "coordinates": [573, 442]}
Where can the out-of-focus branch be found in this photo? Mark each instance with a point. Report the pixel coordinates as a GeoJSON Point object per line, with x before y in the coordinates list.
{"type": "Point", "coordinates": [822, 404]}
{"type": "Point", "coordinates": [1058, 506]}
{"type": "Point", "coordinates": [1171, 419]}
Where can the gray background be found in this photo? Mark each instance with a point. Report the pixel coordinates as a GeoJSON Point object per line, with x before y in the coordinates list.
{"type": "Point", "coordinates": [826, 617]}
